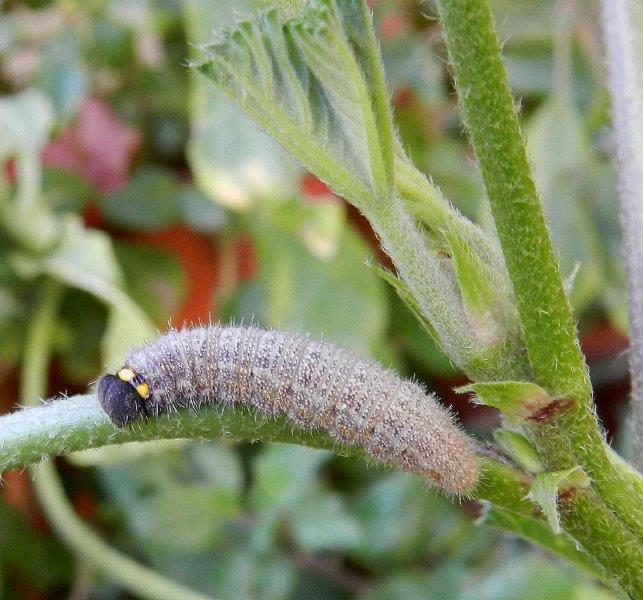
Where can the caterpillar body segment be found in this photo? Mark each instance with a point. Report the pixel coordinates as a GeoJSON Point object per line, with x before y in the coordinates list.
{"type": "Point", "coordinates": [314, 383]}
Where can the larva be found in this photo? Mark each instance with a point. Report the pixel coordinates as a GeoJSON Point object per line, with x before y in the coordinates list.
{"type": "Point", "coordinates": [314, 383]}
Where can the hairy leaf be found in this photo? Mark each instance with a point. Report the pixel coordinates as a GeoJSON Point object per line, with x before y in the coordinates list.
{"type": "Point", "coordinates": [547, 487]}
{"type": "Point", "coordinates": [303, 83]}
{"type": "Point", "coordinates": [316, 84]}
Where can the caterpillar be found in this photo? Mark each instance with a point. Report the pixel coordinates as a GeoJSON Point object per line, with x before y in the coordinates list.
{"type": "Point", "coordinates": [314, 383]}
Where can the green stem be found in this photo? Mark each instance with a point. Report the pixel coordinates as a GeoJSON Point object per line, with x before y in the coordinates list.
{"type": "Point", "coordinates": [78, 423]}
{"type": "Point", "coordinates": [66, 425]}
{"type": "Point", "coordinates": [572, 437]}
{"type": "Point", "coordinates": [605, 537]}
{"type": "Point", "coordinates": [33, 378]}
{"type": "Point", "coordinates": [134, 577]}
{"type": "Point", "coordinates": [29, 176]}
{"type": "Point", "coordinates": [492, 122]}
{"type": "Point", "coordinates": [506, 488]}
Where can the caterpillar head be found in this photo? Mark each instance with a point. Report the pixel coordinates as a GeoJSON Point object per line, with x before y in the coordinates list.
{"type": "Point", "coordinates": [120, 400]}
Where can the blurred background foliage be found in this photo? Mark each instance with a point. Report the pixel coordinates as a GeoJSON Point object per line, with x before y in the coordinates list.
{"type": "Point", "coordinates": [135, 183]}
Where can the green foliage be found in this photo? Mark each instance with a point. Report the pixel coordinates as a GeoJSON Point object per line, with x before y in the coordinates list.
{"type": "Point", "coordinates": [275, 521]}
{"type": "Point", "coordinates": [297, 277]}
{"type": "Point", "coordinates": [301, 101]}
{"type": "Point", "coordinates": [24, 551]}
{"type": "Point", "coordinates": [562, 161]}
{"type": "Point", "coordinates": [517, 400]}
{"type": "Point", "coordinates": [232, 162]}
{"type": "Point", "coordinates": [535, 530]}
{"type": "Point", "coordinates": [548, 486]}
{"type": "Point", "coordinates": [518, 447]}
{"type": "Point", "coordinates": [333, 115]}
{"type": "Point", "coordinates": [147, 203]}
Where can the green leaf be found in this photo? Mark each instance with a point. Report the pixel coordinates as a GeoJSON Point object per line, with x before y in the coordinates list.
{"type": "Point", "coordinates": [442, 582]}
{"type": "Point", "coordinates": [78, 334]}
{"type": "Point", "coordinates": [62, 74]}
{"type": "Point", "coordinates": [199, 212]}
{"type": "Point", "coordinates": [25, 550]}
{"type": "Point", "coordinates": [401, 524]}
{"type": "Point", "coordinates": [166, 511]}
{"type": "Point", "coordinates": [440, 218]}
{"type": "Point", "coordinates": [25, 121]}
{"type": "Point", "coordinates": [283, 475]}
{"type": "Point", "coordinates": [409, 337]}
{"type": "Point", "coordinates": [322, 228]}
{"type": "Point", "coordinates": [547, 486]}
{"type": "Point", "coordinates": [517, 400]}
{"type": "Point", "coordinates": [154, 279]}
{"type": "Point", "coordinates": [519, 448]}
{"type": "Point", "coordinates": [233, 163]}
{"type": "Point", "coordinates": [85, 259]}
{"type": "Point", "coordinates": [65, 191]}
{"type": "Point", "coordinates": [43, 231]}
{"type": "Point", "coordinates": [533, 577]}
{"type": "Point", "coordinates": [236, 575]}
{"type": "Point", "coordinates": [478, 293]}
{"type": "Point", "coordinates": [127, 327]}
{"type": "Point", "coordinates": [149, 201]}
{"type": "Point", "coordinates": [408, 298]}
{"type": "Point", "coordinates": [486, 296]}
{"type": "Point", "coordinates": [539, 532]}
{"type": "Point", "coordinates": [321, 522]}
{"type": "Point", "coordinates": [315, 85]}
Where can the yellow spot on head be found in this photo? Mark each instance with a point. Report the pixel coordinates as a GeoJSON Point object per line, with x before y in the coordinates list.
{"type": "Point", "coordinates": [126, 374]}
{"type": "Point", "coordinates": [143, 390]}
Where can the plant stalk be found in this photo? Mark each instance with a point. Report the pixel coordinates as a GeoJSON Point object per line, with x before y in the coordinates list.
{"type": "Point", "coordinates": [625, 80]}
{"type": "Point", "coordinates": [72, 424]}
{"type": "Point", "coordinates": [572, 437]}
{"type": "Point", "coordinates": [492, 121]}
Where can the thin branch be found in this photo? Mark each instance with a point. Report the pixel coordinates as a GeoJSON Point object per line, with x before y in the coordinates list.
{"type": "Point", "coordinates": [572, 437]}
{"type": "Point", "coordinates": [67, 425]}
{"type": "Point", "coordinates": [71, 424]}
{"type": "Point", "coordinates": [626, 83]}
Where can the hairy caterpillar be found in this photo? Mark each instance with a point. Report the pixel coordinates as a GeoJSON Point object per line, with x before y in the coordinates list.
{"type": "Point", "coordinates": [314, 383]}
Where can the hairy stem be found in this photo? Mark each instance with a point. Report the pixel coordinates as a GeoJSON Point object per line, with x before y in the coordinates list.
{"type": "Point", "coordinates": [134, 577]}
{"type": "Point", "coordinates": [571, 437]}
{"type": "Point", "coordinates": [71, 424]}
{"type": "Point", "coordinates": [66, 425]}
{"type": "Point", "coordinates": [626, 87]}
{"type": "Point", "coordinates": [492, 122]}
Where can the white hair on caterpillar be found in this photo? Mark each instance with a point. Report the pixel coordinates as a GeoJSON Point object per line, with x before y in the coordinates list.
{"type": "Point", "coordinates": [316, 384]}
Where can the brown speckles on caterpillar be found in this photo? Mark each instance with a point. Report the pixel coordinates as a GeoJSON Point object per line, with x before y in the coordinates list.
{"type": "Point", "coordinates": [314, 383]}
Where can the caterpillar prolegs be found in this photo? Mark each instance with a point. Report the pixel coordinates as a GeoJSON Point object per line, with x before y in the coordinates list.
{"type": "Point", "coordinates": [314, 383]}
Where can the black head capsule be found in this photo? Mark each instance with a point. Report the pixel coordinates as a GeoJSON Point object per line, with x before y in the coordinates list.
{"type": "Point", "coordinates": [122, 402]}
